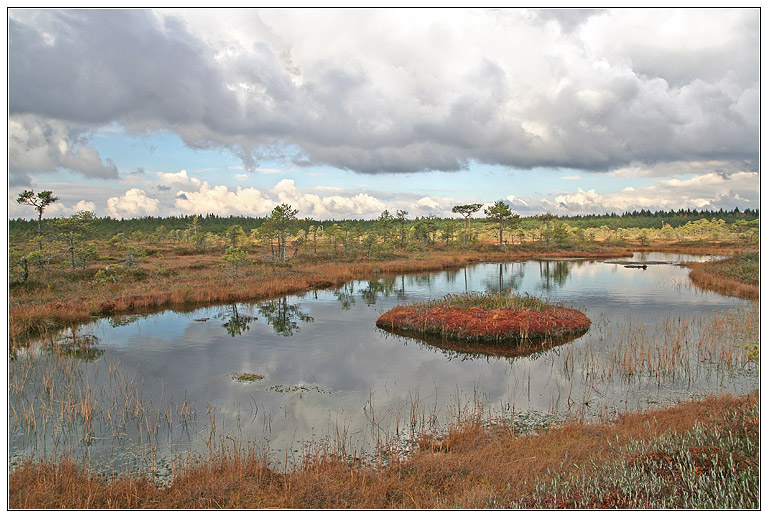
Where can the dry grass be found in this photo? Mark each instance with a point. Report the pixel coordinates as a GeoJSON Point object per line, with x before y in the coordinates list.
{"type": "Point", "coordinates": [179, 281]}
{"type": "Point", "coordinates": [473, 466]}
{"type": "Point", "coordinates": [485, 317]}
{"type": "Point", "coordinates": [737, 276]}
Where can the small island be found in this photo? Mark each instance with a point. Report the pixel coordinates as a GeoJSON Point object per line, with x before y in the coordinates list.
{"type": "Point", "coordinates": [494, 319]}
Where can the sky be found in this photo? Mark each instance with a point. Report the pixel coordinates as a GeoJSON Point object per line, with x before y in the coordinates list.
{"type": "Point", "coordinates": [345, 113]}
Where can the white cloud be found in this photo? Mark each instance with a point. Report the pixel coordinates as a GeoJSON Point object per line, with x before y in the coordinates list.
{"type": "Point", "coordinates": [708, 191]}
{"type": "Point", "coordinates": [178, 178]}
{"type": "Point", "coordinates": [39, 144]}
{"type": "Point", "coordinates": [84, 205]}
{"type": "Point", "coordinates": [361, 205]}
{"type": "Point", "coordinates": [61, 210]}
{"type": "Point", "coordinates": [221, 200]}
{"type": "Point", "coordinates": [571, 177]}
{"type": "Point", "coordinates": [393, 90]}
{"type": "Point", "coordinates": [426, 202]}
{"type": "Point", "coordinates": [134, 203]}
{"type": "Point", "coordinates": [678, 168]}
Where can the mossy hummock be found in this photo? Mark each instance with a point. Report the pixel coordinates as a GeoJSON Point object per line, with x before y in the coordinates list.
{"type": "Point", "coordinates": [489, 318]}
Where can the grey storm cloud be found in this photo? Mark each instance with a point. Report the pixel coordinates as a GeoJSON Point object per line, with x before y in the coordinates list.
{"type": "Point", "coordinates": [350, 91]}
{"type": "Point", "coordinates": [36, 146]}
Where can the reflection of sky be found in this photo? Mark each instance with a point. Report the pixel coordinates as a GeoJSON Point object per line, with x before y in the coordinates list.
{"type": "Point", "coordinates": [345, 361]}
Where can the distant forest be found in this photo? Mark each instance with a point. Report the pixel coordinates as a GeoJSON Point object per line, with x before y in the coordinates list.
{"type": "Point", "coordinates": [107, 227]}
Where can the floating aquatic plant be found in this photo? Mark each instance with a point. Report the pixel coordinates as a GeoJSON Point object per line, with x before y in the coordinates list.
{"type": "Point", "coordinates": [247, 377]}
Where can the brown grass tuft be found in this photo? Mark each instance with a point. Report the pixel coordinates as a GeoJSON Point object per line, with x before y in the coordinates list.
{"type": "Point", "coordinates": [473, 466]}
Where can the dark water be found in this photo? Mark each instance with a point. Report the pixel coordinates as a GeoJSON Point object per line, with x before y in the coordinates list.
{"type": "Point", "coordinates": [330, 374]}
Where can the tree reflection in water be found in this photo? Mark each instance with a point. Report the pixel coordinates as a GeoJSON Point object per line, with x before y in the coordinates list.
{"type": "Point", "coordinates": [377, 287]}
{"type": "Point", "coordinates": [76, 345]}
{"type": "Point", "coordinates": [282, 316]}
{"type": "Point", "coordinates": [508, 279]}
{"type": "Point", "coordinates": [554, 274]}
{"type": "Point", "coordinates": [345, 295]}
{"type": "Point", "coordinates": [236, 322]}
{"type": "Point", "coordinates": [374, 288]}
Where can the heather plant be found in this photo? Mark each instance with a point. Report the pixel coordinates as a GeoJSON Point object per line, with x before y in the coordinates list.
{"type": "Point", "coordinates": [496, 317]}
{"type": "Point", "coordinates": [706, 467]}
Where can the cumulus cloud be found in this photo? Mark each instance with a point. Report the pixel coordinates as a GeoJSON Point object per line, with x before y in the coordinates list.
{"type": "Point", "coordinates": [61, 210]}
{"type": "Point", "coordinates": [710, 191]}
{"type": "Point", "coordinates": [221, 200]}
{"type": "Point", "coordinates": [44, 145]}
{"type": "Point", "coordinates": [427, 202]}
{"type": "Point", "coordinates": [391, 91]}
{"type": "Point", "coordinates": [320, 203]}
{"type": "Point", "coordinates": [134, 203]}
{"type": "Point", "coordinates": [84, 205]}
{"type": "Point", "coordinates": [180, 178]}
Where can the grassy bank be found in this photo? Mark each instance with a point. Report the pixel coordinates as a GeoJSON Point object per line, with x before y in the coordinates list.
{"type": "Point", "coordinates": [174, 277]}
{"type": "Point", "coordinates": [70, 297]}
{"type": "Point", "coordinates": [698, 454]}
{"type": "Point", "coordinates": [736, 276]}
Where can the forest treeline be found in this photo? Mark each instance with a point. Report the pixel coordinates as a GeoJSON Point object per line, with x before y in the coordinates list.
{"type": "Point", "coordinates": [107, 227]}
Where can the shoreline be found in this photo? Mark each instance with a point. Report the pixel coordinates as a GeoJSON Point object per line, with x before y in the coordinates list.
{"type": "Point", "coordinates": [45, 485]}
{"type": "Point", "coordinates": [196, 287]}
{"type": "Point", "coordinates": [475, 465]}
{"type": "Point", "coordinates": [201, 284]}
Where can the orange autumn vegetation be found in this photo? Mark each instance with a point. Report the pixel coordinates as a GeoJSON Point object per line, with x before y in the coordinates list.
{"type": "Point", "coordinates": [486, 318]}
{"type": "Point", "coordinates": [475, 465]}
{"type": "Point", "coordinates": [178, 281]}
{"type": "Point", "coordinates": [736, 276]}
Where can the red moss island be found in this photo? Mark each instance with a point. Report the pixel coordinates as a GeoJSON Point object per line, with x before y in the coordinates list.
{"type": "Point", "coordinates": [486, 318]}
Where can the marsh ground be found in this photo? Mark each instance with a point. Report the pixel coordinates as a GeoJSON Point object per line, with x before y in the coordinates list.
{"type": "Point", "coordinates": [475, 465]}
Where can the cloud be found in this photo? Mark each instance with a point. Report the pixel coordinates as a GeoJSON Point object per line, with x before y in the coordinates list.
{"type": "Point", "coordinates": [44, 145]}
{"type": "Point", "coordinates": [426, 202]}
{"type": "Point", "coordinates": [390, 91]}
{"type": "Point", "coordinates": [680, 168]}
{"type": "Point", "coordinates": [134, 203]}
{"type": "Point", "coordinates": [84, 205]}
{"type": "Point", "coordinates": [361, 205]}
{"type": "Point", "coordinates": [60, 210]}
{"type": "Point", "coordinates": [179, 178]}
{"type": "Point", "coordinates": [711, 191]}
{"type": "Point", "coordinates": [222, 200]}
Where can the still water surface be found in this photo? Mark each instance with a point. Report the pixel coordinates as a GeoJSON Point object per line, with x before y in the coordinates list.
{"type": "Point", "coordinates": [329, 373]}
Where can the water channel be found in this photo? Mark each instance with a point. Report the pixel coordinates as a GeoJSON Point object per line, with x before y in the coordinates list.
{"type": "Point", "coordinates": [153, 386]}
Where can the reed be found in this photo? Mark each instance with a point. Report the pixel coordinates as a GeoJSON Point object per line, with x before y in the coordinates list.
{"type": "Point", "coordinates": [171, 282]}
{"type": "Point", "coordinates": [735, 276]}
{"type": "Point", "coordinates": [679, 348]}
{"type": "Point", "coordinates": [65, 405]}
{"type": "Point", "coordinates": [474, 466]}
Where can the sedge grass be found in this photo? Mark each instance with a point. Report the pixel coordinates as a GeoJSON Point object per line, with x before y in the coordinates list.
{"type": "Point", "coordinates": [474, 466]}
